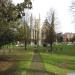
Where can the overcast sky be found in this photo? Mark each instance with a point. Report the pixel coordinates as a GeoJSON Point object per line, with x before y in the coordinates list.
{"type": "Point", "coordinates": [62, 9]}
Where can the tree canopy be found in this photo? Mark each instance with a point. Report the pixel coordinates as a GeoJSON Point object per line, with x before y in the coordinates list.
{"type": "Point", "coordinates": [10, 13]}
{"type": "Point", "coordinates": [49, 30]}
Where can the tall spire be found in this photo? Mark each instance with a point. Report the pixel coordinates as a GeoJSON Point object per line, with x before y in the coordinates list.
{"type": "Point", "coordinates": [39, 16]}
{"type": "Point", "coordinates": [31, 20]}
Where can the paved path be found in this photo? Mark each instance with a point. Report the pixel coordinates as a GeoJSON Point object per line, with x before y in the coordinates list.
{"type": "Point", "coordinates": [37, 67]}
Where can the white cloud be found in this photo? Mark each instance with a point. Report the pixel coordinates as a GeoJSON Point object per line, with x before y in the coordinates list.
{"type": "Point", "coordinates": [62, 8]}
{"type": "Point", "coordinates": [17, 1]}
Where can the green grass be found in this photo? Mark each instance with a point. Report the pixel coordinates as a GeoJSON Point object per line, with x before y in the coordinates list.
{"type": "Point", "coordinates": [58, 64]}
{"type": "Point", "coordinates": [25, 64]}
{"type": "Point", "coordinates": [25, 56]}
{"type": "Point", "coordinates": [62, 61]}
{"type": "Point", "coordinates": [64, 49]}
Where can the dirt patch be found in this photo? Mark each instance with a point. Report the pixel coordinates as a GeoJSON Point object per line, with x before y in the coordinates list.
{"type": "Point", "coordinates": [4, 65]}
{"type": "Point", "coordinates": [63, 65]}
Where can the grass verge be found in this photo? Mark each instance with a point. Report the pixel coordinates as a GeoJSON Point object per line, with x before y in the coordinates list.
{"type": "Point", "coordinates": [59, 64]}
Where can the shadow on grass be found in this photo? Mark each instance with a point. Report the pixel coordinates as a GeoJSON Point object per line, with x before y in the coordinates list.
{"type": "Point", "coordinates": [17, 71]}
{"type": "Point", "coordinates": [14, 58]}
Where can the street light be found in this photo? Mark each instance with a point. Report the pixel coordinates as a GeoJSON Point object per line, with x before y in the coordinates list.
{"type": "Point", "coordinates": [29, 6]}
{"type": "Point", "coordinates": [25, 31]}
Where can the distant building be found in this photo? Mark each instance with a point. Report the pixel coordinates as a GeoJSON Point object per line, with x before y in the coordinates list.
{"type": "Point", "coordinates": [35, 31]}
{"type": "Point", "coordinates": [68, 36]}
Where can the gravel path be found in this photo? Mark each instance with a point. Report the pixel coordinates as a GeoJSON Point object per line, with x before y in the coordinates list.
{"type": "Point", "coordinates": [37, 67]}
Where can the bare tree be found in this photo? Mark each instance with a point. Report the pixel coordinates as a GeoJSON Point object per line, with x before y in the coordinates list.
{"type": "Point", "coordinates": [50, 30]}
{"type": "Point", "coordinates": [72, 7]}
{"type": "Point", "coordinates": [51, 33]}
{"type": "Point", "coordinates": [45, 29]}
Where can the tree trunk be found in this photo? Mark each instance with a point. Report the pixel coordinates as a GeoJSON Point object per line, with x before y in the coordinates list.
{"type": "Point", "coordinates": [0, 47]}
{"type": "Point", "coordinates": [51, 45]}
{"type": "Point", "coordinates": [25, 45]}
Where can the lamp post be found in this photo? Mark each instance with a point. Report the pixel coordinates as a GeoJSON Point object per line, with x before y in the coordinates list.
{"type": "Point", "coordinates": [25, 34]}
{"type": "Point", "coordinates": [29, 6]}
